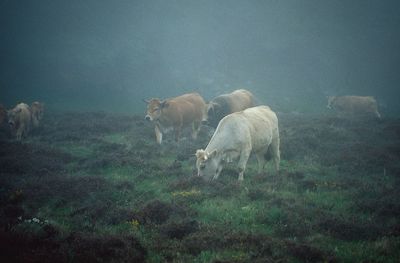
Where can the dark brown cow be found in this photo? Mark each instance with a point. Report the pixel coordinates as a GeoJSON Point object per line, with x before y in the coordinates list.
{"type": "Point", "coordinates": [354, 105]}
{"type": "Point", "coordinates": [176, 113]}
{"type": "Point", "coordinates": [225, 104]}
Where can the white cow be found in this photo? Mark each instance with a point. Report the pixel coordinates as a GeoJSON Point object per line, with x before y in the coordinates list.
{"type": "Point", "coordinates": [237, 135]}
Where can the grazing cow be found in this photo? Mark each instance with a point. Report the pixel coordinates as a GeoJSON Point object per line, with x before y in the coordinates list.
{"type": "Point", "coordinates": [3, 114]}
{"type": "Point", "coordinates": [176, 113]}
{"type": "Point", "coordinates": [37, 109]}
{"type": "Point", "coordinates": [225, 104]}
{"type": "Point", "coordinates": [354, 105]}
{"type": "Point", "coordinates": [237, 135]}
{"type": "Point", "coordinates": [20, 120]}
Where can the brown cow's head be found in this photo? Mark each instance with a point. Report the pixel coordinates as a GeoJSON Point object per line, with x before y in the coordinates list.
{"type": "Point", "coordinates": [214, 113]}
{"type": "Point", "coordinates": [212, 107]}
{"type": "Point", "coordinates": [154, 108]}
{"type": "Point", "coordinates": [331, 100]}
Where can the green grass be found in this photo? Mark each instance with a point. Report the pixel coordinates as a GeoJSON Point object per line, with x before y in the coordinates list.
{"type": "Point", "coordinates": [118, 138]}
{"type": "Point", "coordinates": [115, 181]}
{"type": "Point", "coordinates": [358, 251]}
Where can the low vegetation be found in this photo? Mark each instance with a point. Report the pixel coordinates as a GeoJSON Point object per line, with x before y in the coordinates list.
{"type": "Point", "coordinates": [96, 187]}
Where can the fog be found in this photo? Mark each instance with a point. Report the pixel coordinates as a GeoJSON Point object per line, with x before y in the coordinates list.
{"type": "Point", "coordinates": [109, 55]}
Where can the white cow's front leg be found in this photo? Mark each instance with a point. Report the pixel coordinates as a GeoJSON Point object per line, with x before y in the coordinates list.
{"type": "Point", "coordinates": [217, 173]}
{"type": "Point", "coordinates": [158, 134]}
{"type": "Point", "coordinates": [244, 157]}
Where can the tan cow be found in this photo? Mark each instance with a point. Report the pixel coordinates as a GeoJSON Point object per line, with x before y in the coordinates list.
{"type": "Point", "coordinates": [37, 109]}
{"type": "Point", "coordinates": [237, 135]}
{"type": "Point", "coordinates": [354, 105]}
{"type": "Point", "coordinates": [176, 113]}
{"type": "Point", "coordinates": [225, 104]}
{"type": "Point", "coordinates": [20, 120]}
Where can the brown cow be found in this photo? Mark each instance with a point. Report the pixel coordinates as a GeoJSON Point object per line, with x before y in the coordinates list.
{"type": "Point", "coordinates": [225, 104]}
{"type": "Point", "coordinates": [354, 105]}
{"type": "Point", "coordinates": [20, 120]}
{"type": "Point", "coordinates": [176, 113]}
{"type": "Point", "coordinates": [37, 109]}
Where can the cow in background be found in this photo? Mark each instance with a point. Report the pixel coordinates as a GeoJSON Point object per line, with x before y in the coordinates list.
{"type": "Point", "coordinates": [225, 104]}
{"type": "Point", "coordinates": [354, 106]}
{"type": "Point", "coordinates": [20, 120]}
{"type": "Point", "coordinates": [176, 113]}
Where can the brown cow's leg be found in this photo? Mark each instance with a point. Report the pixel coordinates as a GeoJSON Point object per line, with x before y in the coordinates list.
{"type": "Point", "coordinates": [195, 129]}
{"type": "Point", "coordinates": [177, 131]}
{"type": "Point", "coordinates": [158, 134]}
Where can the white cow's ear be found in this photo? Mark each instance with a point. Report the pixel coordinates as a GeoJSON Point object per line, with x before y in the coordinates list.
{"type": "Point", "coordinates": [146, 101]}
{"type": "Point", "coordinates": [200, 153]}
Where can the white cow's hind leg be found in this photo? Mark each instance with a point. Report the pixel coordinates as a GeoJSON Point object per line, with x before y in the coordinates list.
{"type": "Point", "coordinates": [261, 161]}
{"type": "Point", "coordinates": [275, 153]}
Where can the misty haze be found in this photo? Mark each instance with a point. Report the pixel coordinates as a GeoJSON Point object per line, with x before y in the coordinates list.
{"type": "Point", "coordinates": [199, 131]}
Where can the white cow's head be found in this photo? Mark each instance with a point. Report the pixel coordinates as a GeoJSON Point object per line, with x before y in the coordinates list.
{"type": "Point", "coordinates": [208, 164]}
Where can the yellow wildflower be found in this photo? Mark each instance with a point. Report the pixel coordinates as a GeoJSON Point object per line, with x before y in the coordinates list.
{"type": "Point", "coordinates": [187, 193]}
{"type": "Point", "coordinates": [134, 223]}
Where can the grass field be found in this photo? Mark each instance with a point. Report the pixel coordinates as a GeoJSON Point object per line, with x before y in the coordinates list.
{"type": "Point", "coordinates": [96, 187]}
